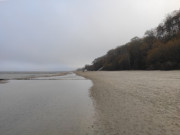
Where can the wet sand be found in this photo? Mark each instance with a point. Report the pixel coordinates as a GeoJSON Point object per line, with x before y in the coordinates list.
{"type": "Point", "coordinates": [136, 102]}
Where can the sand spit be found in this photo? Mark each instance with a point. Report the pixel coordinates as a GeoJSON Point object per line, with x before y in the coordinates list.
{"type": "Point", "coordinates": [136, 102]}
{"type": "Point", "coordinates": [3, 81]}
{"type": "Point", "coordinates": [46, 76]}
{"type": "Point", "coordinates": [29, 75]}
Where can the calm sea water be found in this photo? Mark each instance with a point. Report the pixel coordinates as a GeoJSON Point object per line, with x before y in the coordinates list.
{"type": "Point", "coordinates": [59, 106]}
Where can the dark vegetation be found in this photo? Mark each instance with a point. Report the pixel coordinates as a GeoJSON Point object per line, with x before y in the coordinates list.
{"type": "Point", "coordinates": [159, 49]}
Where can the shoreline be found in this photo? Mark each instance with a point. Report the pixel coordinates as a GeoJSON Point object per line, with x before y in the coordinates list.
{"type": "Point", "coordinates": [136, 102]}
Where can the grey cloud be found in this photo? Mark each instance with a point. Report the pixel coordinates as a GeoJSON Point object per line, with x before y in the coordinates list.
{"type": "Point", "coordinates": [59, 34]}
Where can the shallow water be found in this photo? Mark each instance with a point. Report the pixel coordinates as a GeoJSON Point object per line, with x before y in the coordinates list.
{"type": "Point", "coordinates": [46, 107]}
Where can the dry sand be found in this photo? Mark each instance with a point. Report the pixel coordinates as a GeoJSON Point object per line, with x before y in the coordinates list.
{"type": "Point", "coordinates": [136, 102]}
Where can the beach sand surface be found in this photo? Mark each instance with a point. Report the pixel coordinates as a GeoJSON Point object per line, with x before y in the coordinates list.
{"type": "Point", "coordinates": [136, 102]}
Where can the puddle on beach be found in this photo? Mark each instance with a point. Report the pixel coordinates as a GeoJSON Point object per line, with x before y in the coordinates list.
{"type": "Point", "coordinates": [48, 106]}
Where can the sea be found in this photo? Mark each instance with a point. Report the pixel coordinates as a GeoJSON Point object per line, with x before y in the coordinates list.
{"type": "Point", "coordinates": [45, 103]}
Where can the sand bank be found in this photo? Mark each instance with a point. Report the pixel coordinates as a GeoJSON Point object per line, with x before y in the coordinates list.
{"type": "Point", "coordinates": [136, 102]}
{"type": "Point", "coordinates": [3, 81]}
{"type": "Point", "coordinates": [29, 75]}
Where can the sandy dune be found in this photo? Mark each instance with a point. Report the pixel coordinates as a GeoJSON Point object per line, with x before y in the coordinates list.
{"type": "Point", "coordinates": [136, 102]}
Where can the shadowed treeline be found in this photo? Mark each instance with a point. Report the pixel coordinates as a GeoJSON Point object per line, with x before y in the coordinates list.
{"type": "Point", "coordinates": [158, 49]}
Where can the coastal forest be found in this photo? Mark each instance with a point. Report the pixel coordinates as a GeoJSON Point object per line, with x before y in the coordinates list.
{"type": "Point", "coordinates": [158, 49]}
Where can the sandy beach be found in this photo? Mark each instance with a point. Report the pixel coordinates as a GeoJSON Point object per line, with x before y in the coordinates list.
{"type": "Point", "coordinates": [136, 102]}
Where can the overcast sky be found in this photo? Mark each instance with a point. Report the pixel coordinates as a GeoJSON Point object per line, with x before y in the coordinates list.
{"type": "Point", "coordinates": [66, 34]}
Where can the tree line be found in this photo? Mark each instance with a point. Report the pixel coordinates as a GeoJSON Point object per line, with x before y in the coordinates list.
{"type": "Point", "coordinates": [158, 49]}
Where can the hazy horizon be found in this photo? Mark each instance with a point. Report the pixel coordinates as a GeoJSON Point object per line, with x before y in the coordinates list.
{"type": "Point", "coordinates": [57, 35]}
